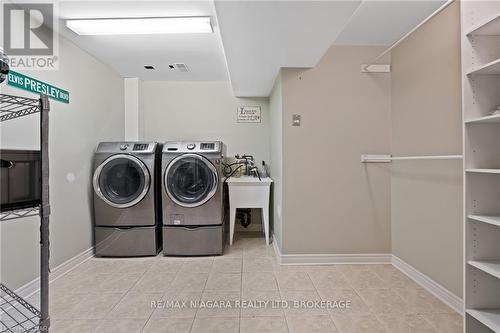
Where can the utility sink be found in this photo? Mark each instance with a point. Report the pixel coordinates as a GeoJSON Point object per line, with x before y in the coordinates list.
{"type": "Point", "coordinates": [249, 192]}
{"type": "Point", "coordinates": [249, 180]}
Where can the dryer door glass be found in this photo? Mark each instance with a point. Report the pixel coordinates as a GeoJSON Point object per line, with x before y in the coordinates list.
{"type": "Point", "coordinates": [191, 180]}
{"type": "Point", "coordinates": [123, 181]}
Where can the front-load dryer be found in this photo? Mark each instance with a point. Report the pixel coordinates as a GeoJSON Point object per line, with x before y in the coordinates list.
{"type": "Point", "coordinates": [127, 204]}
{"type": "Point", "coordinates": [192, 198]}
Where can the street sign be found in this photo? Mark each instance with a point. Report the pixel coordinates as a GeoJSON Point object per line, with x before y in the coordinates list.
{"type": "Point", "coordinates": [21, 81]}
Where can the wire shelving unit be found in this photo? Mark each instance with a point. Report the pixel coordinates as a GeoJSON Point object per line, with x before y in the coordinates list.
{"type": "Point", "coordinates": [16, 314]}
{"type": "Point", "coordinates": [14, 106]}
{"type": "Point", "coordinates": [18, 213]}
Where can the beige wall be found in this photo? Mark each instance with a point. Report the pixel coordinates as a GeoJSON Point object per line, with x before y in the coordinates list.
{"type": "Point", "coordinates": [426, 120]}
{"type": "Point", "coordinates": [202, 111]}
{"type": "Point", "coordinates": [332, 203]}
{"type": "Point", "coordinates": [276, 158]}
{"type": "Point", "coordinates": [94, 114]}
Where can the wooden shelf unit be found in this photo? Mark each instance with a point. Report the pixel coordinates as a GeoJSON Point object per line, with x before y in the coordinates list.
{"type": "Point", "coordinates": [491, 267]}
{"type": "Point", "coordinates": [489, 26]}
{"type": "Point", "coordinates": [494, 220]}
{"type": "Point", "coordinates": [485, 120]}
{"type": "Point", "coordinates": [491, 68]}
{"type": "Point", "coordinates": [490, 318]}
{"type": "Point", "coordinates": [480, 22]}
{"type": "Point", "coordinates": [493, 171]}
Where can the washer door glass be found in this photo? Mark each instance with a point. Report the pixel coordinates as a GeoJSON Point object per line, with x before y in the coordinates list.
{"type": "Point", "coordinates": [190, 180]}
{"type": "Point", "coordinates": [122, 181]}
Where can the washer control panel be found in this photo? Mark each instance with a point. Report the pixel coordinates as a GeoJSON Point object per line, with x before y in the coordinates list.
{"type": "Point", "coordinates": [200, 147]}
{"type": "Point", "coordinates": [140, 146]}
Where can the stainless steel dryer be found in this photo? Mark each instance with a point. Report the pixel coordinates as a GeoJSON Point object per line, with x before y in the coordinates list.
{"type": "Point", "coordinates": [127, 211]}
{"type": "Point", "coordinates": [192, 198]}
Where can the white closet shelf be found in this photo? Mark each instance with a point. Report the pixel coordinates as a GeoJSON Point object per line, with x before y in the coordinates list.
{"type": "Point", "coordinates": [480, 32]}
{"type": "Point", "coordinates": [487, 119]}
{"type": "Point", "coordinates": [489, 317]}
{"type": "Point", "coordinates": [490, 26]}
{"type": "Point", "coordinates": [491, 267]}
{"type": "Point", "coordinates": [494, 220]}
{"type": "Point", "coordinates": [491, 68]}
{"type": "Point", "coordinates": [483, 170]}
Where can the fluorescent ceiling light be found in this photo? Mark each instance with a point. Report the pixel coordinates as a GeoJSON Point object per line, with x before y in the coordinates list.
{"type": "Point", "coordinates": [141, 26]}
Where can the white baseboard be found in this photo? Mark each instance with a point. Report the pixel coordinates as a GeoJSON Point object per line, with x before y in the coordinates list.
{"type": "Point", "coordinates": [443, 294]}
{"type": "Point", "coordinates": [325, 259]}
{"type": "Point", "coordinates": [32, 287]}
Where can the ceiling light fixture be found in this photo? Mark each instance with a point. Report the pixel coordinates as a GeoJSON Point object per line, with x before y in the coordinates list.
{"type": "Point", "coordinates": [141, 26]}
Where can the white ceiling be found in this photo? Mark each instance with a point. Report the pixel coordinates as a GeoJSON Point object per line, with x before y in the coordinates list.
{"type": "Point", "coordinates": [202, 53]}
{"type": "Point", "coordinates": [252, 40]}
{"type": "Point", "coordinates": [260, 37]}
{"type": "Point", "coordinates": [384, 22]}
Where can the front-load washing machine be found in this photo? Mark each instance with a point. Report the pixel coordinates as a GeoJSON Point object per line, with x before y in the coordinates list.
{"type": "Point", "coordinates": [127, 204]}
{"type": "Point", "coordinates": [192, 197]}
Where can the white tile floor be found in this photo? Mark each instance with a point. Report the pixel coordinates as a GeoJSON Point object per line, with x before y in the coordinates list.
{"type": "Point", "coordinates": [116, 295]}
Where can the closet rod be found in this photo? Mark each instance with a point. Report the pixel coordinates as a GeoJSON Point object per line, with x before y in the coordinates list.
{"type": "Point", "coordinates": [388, 158]}
{"type": "Point", "coordinates": [439, 10]}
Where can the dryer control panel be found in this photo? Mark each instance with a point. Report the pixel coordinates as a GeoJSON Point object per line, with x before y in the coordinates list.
{"type": "Point", "coordinates": [207, 146]}
{"type": "Point", "coordinates": [127, 147]}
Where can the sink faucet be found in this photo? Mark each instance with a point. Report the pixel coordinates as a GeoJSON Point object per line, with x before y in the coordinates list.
{"type": "Point", "coordinates": [248, 161]}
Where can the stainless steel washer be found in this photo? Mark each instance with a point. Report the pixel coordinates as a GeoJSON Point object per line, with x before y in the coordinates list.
{"type": "Point", "coordinates": [127, 211]}
{"type": "Point", "coordinates": [192, 198]}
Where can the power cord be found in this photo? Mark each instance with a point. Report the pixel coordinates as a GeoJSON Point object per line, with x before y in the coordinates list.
{"type": "Point", "coordinates": [232, 173]}
{"type": "Point", "coordinates": [227, 169]}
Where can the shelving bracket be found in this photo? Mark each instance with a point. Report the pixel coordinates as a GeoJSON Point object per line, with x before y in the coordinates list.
{"type": "Point", "coordinates": [375, 68]}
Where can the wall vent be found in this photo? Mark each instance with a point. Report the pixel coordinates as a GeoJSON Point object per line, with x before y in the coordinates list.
{"type": "Point", "coordinates": [181, 67]}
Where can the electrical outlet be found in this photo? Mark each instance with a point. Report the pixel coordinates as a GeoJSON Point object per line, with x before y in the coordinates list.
{"type": "Point", "coordinates": [296, 120]}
